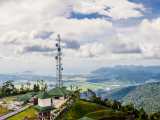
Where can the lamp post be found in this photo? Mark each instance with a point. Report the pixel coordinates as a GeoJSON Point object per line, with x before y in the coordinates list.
{"type": "Point", "coordinates": [3, 104]}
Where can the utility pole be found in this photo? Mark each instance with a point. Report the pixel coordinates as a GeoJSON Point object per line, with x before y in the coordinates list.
{"type": "Point", "coordinates": [58, 64]}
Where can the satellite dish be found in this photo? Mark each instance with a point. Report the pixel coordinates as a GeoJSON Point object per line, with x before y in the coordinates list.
{"type": "Point", "coordinates": [56, 57]}
{"type": "Point", "coordinates": [59, 49]}
{"type": "Point", "coordinates": [11, 105]}
{"type": "Point", "coordinates": [10, 102]}
{"type": "Point", "coordinates": [56, 44]}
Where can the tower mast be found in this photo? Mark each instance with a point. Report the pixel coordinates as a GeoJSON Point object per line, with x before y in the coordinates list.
{"type": "Point", "coordinates": [59, 64]}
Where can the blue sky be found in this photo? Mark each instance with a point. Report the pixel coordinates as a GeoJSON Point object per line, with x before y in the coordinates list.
{"type": "Point", "coordinates": [94, 34]}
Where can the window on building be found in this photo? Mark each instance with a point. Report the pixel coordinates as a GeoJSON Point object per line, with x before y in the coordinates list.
{"type": "Point", "coordinates": [56, 97]}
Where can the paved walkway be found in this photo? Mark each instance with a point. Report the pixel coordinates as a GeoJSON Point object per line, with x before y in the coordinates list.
{"type": "Point", "coordinates": [14, 112]}
{"type": "Point", "coordinates": [59, 105]}
{"type": "Point", "coordinates": [61, 102]}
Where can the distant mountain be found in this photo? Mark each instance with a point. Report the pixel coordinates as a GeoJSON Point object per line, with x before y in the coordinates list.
{"type": "Point", "coordinates": [132, 74]}
{"type": "Point", "coordinates": [152, 69]}
{"type": "Point", "coordinates": [146, 96]}
{"type": "Point", "coordinates": [110, 71]}
{"type": "Point", "coordinates": [138, 77]}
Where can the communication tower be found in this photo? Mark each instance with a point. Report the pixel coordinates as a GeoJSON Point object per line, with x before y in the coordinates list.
{"type": "Point", "coordinates": [58, 64]}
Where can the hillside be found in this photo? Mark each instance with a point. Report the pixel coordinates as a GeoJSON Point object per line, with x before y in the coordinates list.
{"type": "Point", "coordinates": [92, 110]}
{"type": "Point", "coordinates": [146, 96]}
{"type": "Point", "coordinates": [138, 77]}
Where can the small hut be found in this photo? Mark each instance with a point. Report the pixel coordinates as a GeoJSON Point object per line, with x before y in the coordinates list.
{"type": "Point", "coordinates": [22, 99]}
{"type": "Point", "coordinates": [44, 106]}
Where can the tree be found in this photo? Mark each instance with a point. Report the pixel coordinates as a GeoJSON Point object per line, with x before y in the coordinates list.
{"type": "Point", "coordinates": [143, 114]}
{"type": "Point", "coordinates": [35, 101]}
{"type": "Point", "coordinates": [71, 87]}
{"type": "Point", "coordinates": [85, 94]}
{"type": "Point", "coordinates": [7, 87]}
{"type": "Point", "coordinates": [36, 88]}
{"type": "Point", "coordinates": [15, 91]}
{"type": "Point", "coordinates": [22, 89]}
{"type": "Point", "coordinates": [115, 104]}
{"type": "Point", "coordinates": [28, 85]}
{"type": "Point", "coordinates": [110, 101]}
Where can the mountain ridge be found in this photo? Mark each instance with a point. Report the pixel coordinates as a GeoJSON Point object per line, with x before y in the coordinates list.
{"type": "Point", "coordinates": [146, 96]}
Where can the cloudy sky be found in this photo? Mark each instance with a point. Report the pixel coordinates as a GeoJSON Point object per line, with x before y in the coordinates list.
{"type": "Point", "coordinates": [94, 34]}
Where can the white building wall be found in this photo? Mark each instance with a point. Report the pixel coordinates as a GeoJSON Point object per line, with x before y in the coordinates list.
{"type": "Point", "coordinates": [19, 103]}
{"type": "Point", "coordinates": [44, 102]}
{"type": "Point", "coordinates": [56, 101]}
{"type": "Point", "coordinates": [61, 97]}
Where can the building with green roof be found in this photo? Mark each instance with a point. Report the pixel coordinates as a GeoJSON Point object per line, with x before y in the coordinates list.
{"type": "Point", "coordinates": [22, 99]}
{"type": "Point", "coordinates": [32, 93]}
{"type": "Point", "coordinates": [25, 98]}
{"type": "Point", "coordinates": [59, 94]}
{"type": "Point", "coordinates": [44, 105]}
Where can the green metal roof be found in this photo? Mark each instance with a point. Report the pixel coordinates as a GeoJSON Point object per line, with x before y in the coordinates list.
{"type": "Point", "coordinates": [23, 97]}
{"type": "Point", "coordinates": [43, 109]}
{"type": "Point", "coordinates": [85, 118]}
{"type": "Point", "coordinates": [67, 92]}
{"type": "Point", "coordinates": [32, 93]}
{"type": "Point", "coordinates": [59, 91]}
{"type": "Point", "coordinates": [44, 95]}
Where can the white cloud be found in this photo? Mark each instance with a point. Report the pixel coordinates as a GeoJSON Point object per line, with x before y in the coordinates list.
{"type": "Point", "coordinates": [26, 15]}
{"type": "Point", "coordinates": [14, 37]}
{"type": "Point", "coordinates": [90, 51]}
{"type": "Point", "coordinates": [29, 29]}
{"type": "Point", "coordinates": [40, 34]}
{"type": "Point", "coordinates": [150, 50]}
{"type": "Point", "coordinates": [124, 45]}
{"type": "Point", "coordinates": [79, 29]}
{"type": "Point", "coordinates": [116, 9]}
{"type": "Point", "coordinates": [150, 30]}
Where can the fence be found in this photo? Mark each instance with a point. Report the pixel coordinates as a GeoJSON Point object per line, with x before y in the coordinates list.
{"type": "Point", "coordinates": [63, 110]}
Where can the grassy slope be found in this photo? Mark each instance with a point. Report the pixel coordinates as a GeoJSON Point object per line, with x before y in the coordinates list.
{"type": "Point", "coordinates": [81, 109]}
{"type": "Point", "coordinates": [30, 112]}
{"type": "Point", "coordinates": [98, 114]}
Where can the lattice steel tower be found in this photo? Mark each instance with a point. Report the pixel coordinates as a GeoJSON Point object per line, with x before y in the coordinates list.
{"type": "Point", "coordinates": [59, 64]}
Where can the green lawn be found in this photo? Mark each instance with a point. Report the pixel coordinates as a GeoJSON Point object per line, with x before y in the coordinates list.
{"type": "Point", "coordinates": [30, 112]}
{"type": "Point", "coordinates": [25, 105]}
{"type": "Point", "coordinates": [4, 111]}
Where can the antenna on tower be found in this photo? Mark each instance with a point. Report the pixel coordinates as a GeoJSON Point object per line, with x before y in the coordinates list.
{"type": "Point", "coordinates": [59, 64]}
